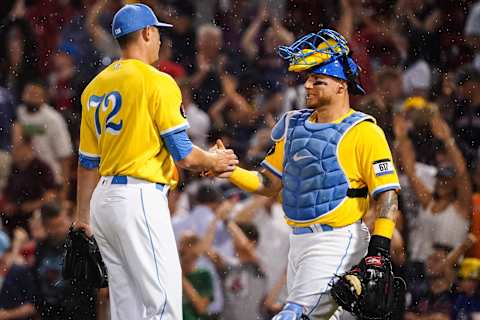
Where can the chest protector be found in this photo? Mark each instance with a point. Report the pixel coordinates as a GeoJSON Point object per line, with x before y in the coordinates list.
{"type": "Point", "coordinates": [314, 183]}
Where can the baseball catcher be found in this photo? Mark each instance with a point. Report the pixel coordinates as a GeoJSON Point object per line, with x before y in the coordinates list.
{"type": "Point", "coordinates": [328, 161]}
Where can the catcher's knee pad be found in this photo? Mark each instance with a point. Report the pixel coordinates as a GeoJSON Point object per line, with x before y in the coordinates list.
{"type": "Point", "coordinates": [291, 311]}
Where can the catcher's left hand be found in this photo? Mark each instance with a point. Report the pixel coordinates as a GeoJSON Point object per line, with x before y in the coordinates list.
{"type": "Point", "coordinates": [82, 261]}
{"type": "Point", "coordinates": [370, 290]}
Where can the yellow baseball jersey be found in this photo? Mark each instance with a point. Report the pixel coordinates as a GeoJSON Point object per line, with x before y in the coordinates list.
{"type": "Point", "coordinates": [126, 109]}
{"type": "Point", "coordinates": [366, 160]}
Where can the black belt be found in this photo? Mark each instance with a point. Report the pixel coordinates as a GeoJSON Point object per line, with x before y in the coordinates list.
{"type": "Point", "coordinates": [357, 192]}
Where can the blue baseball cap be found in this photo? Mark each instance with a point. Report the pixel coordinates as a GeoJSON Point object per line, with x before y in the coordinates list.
{"type": "Point", "coordinates": [133, 17]}
{"type": "Point", "coordinates": [335, 68]}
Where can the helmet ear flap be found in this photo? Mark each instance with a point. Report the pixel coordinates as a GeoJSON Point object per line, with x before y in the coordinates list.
{"type": "Point", "coordinates": [353, 79]}
{"type": "Point", "coordinates": [346, 68]}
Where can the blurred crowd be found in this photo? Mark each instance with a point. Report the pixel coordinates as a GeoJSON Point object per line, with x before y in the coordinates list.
{"type": "Point", "coordinates": [420, 64]}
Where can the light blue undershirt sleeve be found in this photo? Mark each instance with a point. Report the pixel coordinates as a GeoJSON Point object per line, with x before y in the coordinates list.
{"type": "Point", "coordinates": [178, 144]}
{"type": "Point", "coordinates": [88, 162]}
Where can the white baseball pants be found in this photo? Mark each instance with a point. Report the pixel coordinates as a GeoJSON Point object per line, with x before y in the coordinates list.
{"type": "Point", "coordinates": [131, 223]}
{"type": "Point", "coordinates": [314, 259]}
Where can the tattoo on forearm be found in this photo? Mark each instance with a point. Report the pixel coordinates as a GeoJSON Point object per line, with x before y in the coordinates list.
{"type": "Point", "coordinates": [387, 205]}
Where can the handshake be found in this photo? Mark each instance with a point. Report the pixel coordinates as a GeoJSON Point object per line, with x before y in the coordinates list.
{"type": "Point", "coordinates": [223, 162]}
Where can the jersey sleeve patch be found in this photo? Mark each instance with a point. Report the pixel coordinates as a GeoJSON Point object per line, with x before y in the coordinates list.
{"type": "Point", "coordinates": [383, 167]}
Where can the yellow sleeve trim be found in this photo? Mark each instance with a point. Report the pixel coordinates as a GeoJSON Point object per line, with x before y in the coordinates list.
{"type": "Point", "coordinates": [384, 227]}
{"type": "Point", "coordinates": [244, 179]}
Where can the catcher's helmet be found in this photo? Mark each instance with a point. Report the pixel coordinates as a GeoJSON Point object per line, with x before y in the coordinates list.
{"type": "Point", "coordinates": [325, 52]}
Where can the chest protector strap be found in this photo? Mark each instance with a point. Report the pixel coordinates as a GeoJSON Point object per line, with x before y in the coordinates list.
{"type": "Point", "coordinates": [357, 192]}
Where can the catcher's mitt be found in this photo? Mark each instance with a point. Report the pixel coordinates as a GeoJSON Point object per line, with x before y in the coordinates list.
{"type": "Point", "coordinates": [82, 262]}
{"type": "Point", "coordinates": [369, 290]}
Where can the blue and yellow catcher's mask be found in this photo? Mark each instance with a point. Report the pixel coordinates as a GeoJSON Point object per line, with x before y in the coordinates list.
{"type": "Point", "coordinates": [325, 52]}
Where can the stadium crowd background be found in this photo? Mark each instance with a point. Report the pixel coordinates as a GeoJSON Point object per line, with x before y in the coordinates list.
{"type": "Point", "coordinates": [421, 70]}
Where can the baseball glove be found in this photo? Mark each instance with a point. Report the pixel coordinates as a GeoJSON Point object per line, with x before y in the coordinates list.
{"type": "Point", "coordinates": [82, 261]}
{"type": "Point", "coordinates": [369, 290]}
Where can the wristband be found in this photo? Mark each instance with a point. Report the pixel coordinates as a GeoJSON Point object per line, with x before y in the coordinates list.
{"type": "Point", "coordinates": [379, 246]}
{"type": "Point", "coordinates": [381, 238]}
{"type": "Point", "coordinates": [384, 227]}
{"type": "Point", "coordinates": [244, 179]}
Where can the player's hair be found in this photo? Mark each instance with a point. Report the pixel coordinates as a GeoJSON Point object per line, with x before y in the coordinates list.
{"type": "Point", "coordinates": [250, 231]}
{"type": "Point", "coordinates": [125, 40]}
{"type": "Point", "coordinates": [50, 211]}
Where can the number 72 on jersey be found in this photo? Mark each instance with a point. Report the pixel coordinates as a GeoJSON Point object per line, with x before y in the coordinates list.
{"type": "Point", "coordinates": [109, 104]}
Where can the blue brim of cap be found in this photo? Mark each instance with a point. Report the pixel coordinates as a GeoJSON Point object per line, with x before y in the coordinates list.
{"type": "Point", "coordinates": [335, 69]}
{"type": "Point", "coordinates": [163, 25]}
{"type": "Point", "coordinates": [357, 90]}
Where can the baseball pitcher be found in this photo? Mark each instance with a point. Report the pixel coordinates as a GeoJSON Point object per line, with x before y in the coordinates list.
{"type": "Point", "coordinates": [133, 132]}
